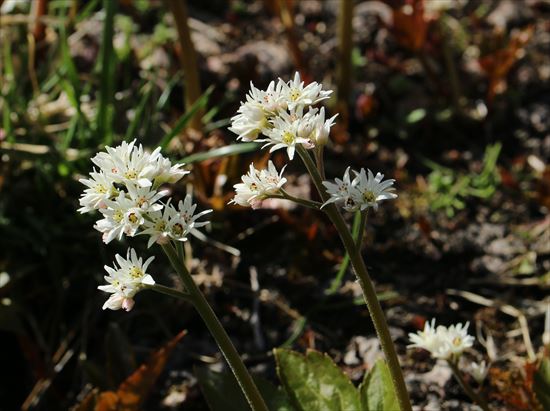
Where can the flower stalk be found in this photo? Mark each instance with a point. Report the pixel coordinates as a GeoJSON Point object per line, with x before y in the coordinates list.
{"type": "Point", "coordinates": [369, 293]}
{"type": "Point", "coordinates": [170, 291]}
{"type": "Point", "coordinates": [475, 397]}
{"type": "Point", "coordinates": [227, 348]}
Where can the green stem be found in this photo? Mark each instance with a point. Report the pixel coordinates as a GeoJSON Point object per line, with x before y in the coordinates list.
{"type": "Point", "coordinates": [307, 203]}
{"type": "Point", "coordinates": [369, 293]}
{"type": "Point", "coordinates": [475, 397]}
{"type": "Point", "coordinates": [361, 231]}
{"type": "Point", "coordinates": [170, 291]}
{"type": "Point", "coordinates": [227, 348]}
{"type": "Point", "coordinates": [337, 282]}
{"type": "Point", "coordinates": [320, 161]}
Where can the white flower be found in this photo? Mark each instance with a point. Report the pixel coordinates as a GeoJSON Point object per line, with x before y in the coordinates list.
{"type": "Point", "coordinates": [254, 114]}
{"type": "Point", "coordinates": [182, 221]}
{"type": "Point", "coordinates": [458, 338]}
{"type": "Point", "coordinates": [285, 133]}
{"type": "Point", "coordinates": [442, 342]}
{"type": "Point", "coordinates": [165, 172]}
{"type": "Point", "coordinates": [100, 188]}
{"type": "Point", "coordinates": [364, 191]}
{"type": "Point", "coordinates": [125, 280]}
{"type": "Point", "coordinates": [156, 225]}
{"type": "Point", "coordinates": [130, 164]}
{"type": "Point", "coordinates": [341, 192]}
{"type": "Point", "coordinates": [145, 198]}
{"type": "Point", "coordinates": [296, 95]}
{"type": "Point", "coordinates": [479, 371]}
{"type": "Point", "coordinates": [321, 128]}
{"type": "Point", "coordinates": [120, 216]}
{"type": "Point", "coordinates": [369, 190]}
{"type": "Point", "coordinates": [257, 185]}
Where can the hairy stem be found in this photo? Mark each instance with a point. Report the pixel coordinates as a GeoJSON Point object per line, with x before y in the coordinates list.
{"type": "Point", "coordinates": [227, 348]}
{"type": "Point", "coordinates": [369, 293]}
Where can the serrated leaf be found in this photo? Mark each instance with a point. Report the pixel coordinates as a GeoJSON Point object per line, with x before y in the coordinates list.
{"type": "Point", "coordinates": [376, 390]}
{"type": "Point", "coordinates": [222, 393]}
{"type": "Point", "coordinates": [541, 384]}
{"type": "Point", "coordinates": [314, 382]}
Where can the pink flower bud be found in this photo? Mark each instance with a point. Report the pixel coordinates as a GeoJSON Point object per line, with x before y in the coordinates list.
{"type": "Point", "coordinates": [128, 304]}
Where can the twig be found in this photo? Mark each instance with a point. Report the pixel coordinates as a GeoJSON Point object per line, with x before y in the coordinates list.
{"type": "Point", "coordinates": [188, 59]}
{"type": "Point", "coordinates": [506, 309]}
{"type": "Point", "coordinates": [255, 317]}
{"type": "Point", "coordinates": [345, 32]}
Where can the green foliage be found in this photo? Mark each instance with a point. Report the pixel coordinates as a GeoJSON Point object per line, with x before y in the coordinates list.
{"type": "Point", "coordinates": [449, 190]}
{"type": "Point", "coordinates": [222, 392]}
{"type": "Point", "coordinates": [314, 382]}
{"type": "Point", "coordinates": [105, 112]}
{"type": "Point", "coordinates": [377, 391]}
{"type": "Point", "coordinates": [541, 384]}
{"type": "Point", "coordinates": [186, 117]}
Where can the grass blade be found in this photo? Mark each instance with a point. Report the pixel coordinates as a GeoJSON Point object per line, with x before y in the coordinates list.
{"type": "Point", "coordinates": [138, 115]}
{"type": "Point", "coordinates": [182, 122]}
{"type": "Point", "coordinates": [229, 150]}
{"type": "Point", "coordinates": [105, 113]}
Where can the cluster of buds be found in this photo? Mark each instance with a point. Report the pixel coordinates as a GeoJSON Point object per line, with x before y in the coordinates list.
{"type": "Point", "coordinates": [279, 114]}
{"type": "Point", "coordinates": [285, 116]}
{"type": "Point", "coordinates": [125, 189]}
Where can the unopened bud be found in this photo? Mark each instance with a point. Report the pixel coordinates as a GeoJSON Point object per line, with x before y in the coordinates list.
{"type": "Point", "coordinates": [128, 304]}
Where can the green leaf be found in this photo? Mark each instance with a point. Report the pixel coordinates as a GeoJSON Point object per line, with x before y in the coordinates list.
{"type": "Point", "coordinates": [229, 150]}
{"type": "Point", "coordinates": [314, 383]}
{"type": "Point", "coordinates": [222, 392]}
{"type": "Point", "coordinates": [376, 390]}
{"type": "Point", "coordinates": [416, 115]}
{"type": "Point", "coordinates": [541, 384]}
{"type": "Point", "coordinates": [183, 120]}
{"type": "Point", "coordinates": [138, 114]}
{"type": "Point", "coordinates": [106, 109]}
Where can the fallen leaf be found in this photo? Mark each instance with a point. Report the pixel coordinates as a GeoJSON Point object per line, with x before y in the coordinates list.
{"type": "Point", "coordinates": [133, 391]}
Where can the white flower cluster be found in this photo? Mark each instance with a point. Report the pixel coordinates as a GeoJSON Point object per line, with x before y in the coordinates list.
{"type": "Point", "coordinates": [364, 191]}
{"type": "Point", "coordinates": [279, 114]}
{"type": "Point", "coordinates": [446, 343]}
{"type": "Point", "coordinates": [126, 280]}
{"type": "Point", "coordinates": [125, 191]}
{"type": "Point", "coordinates": [257, 185]}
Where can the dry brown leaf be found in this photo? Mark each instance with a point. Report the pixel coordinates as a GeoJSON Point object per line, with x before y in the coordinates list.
{"type": "Point", "coordinates": [410, 25]}
{"type": "Point", "coordinates": [514, 387]}
{"type": "Point", "coordinates": [498, 63]}
{"type": "Point", "coordinates": [134, 390]}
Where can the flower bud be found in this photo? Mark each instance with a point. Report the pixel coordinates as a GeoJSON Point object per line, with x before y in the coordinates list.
{"type": "Point", "coordinates": [128, 304]}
